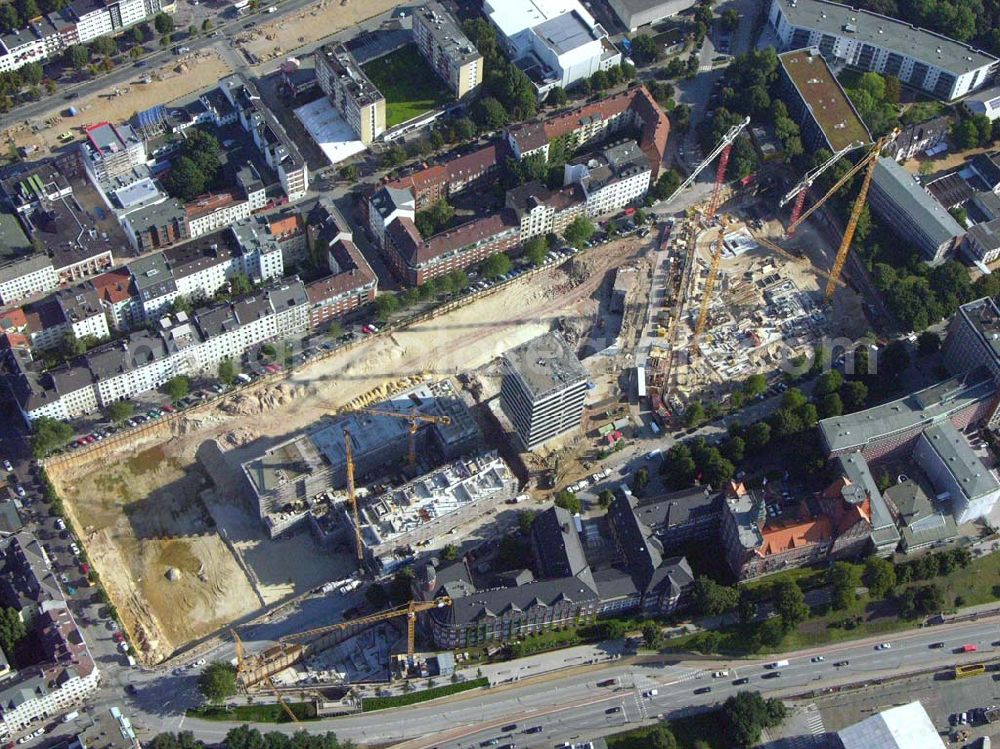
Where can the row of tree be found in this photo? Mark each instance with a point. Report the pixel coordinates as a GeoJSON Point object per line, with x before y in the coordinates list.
{"type": "Point", "coordinates": [247, 737]}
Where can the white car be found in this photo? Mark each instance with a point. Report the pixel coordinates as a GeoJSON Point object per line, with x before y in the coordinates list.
{"type": "Point", "coordinates": [720, 674]}
{"type": "Point", "coordinates": [20, 490]}
{"type": "Point", "coordinates": [884, 646]}
{"type": "Point", "coordinates": [75, 549]}
{"type": "Point", "coordinates": [199, 662]}
{"type": "Point", "coordinates": [60, 524]}
{"type": "Point", "coordinates": [818, 659]}
{"type": "Point", "coordinates": [7, 466]}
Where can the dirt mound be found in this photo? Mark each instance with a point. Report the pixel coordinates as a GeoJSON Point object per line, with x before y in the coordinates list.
{"type": "Point", "coordinates": [239, 437]}
{"type": "Point", "coordinates": [258, 401]}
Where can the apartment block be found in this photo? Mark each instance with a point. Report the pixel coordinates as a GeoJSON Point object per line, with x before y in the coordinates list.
{"type": "Point", "coordinates": [111, 151]}
{"type": "Point", "coordinates": [214, 211]}
{"type": "Point", "coordinates": [611, 179]}
{"type": "Point", "coordinates": [899, 200]}
{"type": "Point", "coordinates": [350, 91]}
{"type": "Point", "coordinates": [942, 67]}
{"type": "Point", "coordinates": [543, 391]}
{"type": "Point", "coordinates": [446, 48]}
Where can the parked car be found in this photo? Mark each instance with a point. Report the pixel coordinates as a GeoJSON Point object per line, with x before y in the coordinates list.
{"type": "Point", "coordinates": [7, 466]}
{"type": "Point", "coordinates": [884, 646]}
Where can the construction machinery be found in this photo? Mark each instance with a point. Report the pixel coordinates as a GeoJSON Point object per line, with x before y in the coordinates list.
{"type": "Point", "coordinates": [713, 271]}
{"type": "Point", "coordinates": [415, 418]}
{"type": "Point", "coordinates": [764, 241]}
{"type": "Point", "coordinates": [723, 148]}
{"type": "Point", "coordinates": [252, 670]}
{"type": "Point", "coordinates": [352, 500]}
{"type": "Point", "coordinates": [868, 164]}
{"type": "Point", "coordinates": [801, 190]}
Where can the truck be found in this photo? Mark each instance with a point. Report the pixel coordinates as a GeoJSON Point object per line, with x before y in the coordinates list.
{"type": "Point", "coordinates": [70, 717]}
{"type": "Point", "coordinates": [777, 664]}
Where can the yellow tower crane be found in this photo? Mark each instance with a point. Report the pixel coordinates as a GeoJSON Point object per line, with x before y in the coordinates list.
{"type": "Point", "coordinates": [409, 610]}
{"type": "Point", "coordinates": [868, 163]}
{"type": "Point", "coordinates": [415, 418]}
{"type": "Point", "coordinates": [352, 500]}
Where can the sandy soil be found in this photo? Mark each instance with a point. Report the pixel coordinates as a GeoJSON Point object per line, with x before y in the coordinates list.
{"type": "Point", "coordinates": [145, 513]}
{"type": "Point", "coordinates": [179, 78]}
{"type": "Point", "coordinates": [142, 516]}
{"type": "Point", "coordinates": [311, 25]}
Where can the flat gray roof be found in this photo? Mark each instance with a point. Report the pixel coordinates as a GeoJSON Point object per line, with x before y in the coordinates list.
{"type": "Point", "coordinates": [984, 317]}
{"type": "Point", "coordinates": [545, 363]}
{"type": "Point", "coordinates": [971, 475]}
{"type": "Point", "coordinates": [149, 270]}
{"type": "Point", "coordinates": [882, 31]}
{"type": "Point", "coordinates": [565, 33]}
{"type": "Point", "coordinates": [903, 190]}
{"type": "Point", "coordinates": [855, 431]}
{"type": "Point", "coordinates": [13, 241]}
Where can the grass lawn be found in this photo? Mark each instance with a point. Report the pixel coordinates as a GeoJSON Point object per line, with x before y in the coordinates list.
{"type": "Point", "coordinates": [687, 731]}
{"type": "Point", "coordinates": [977, 584]}
{"type": "Point", "coordinates": [408, 83]}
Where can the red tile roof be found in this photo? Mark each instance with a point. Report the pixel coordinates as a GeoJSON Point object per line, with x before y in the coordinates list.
{"type": "Point", "coordinates": [782, 537]}
{"type": "Point", "coordinates": [464, 235]}
{"type": "Point", "coordinates": [113, 287]}
{"type": "Point", "coordinates": [13, 319]}
{"type": "Point", "coordinates": [286, 225]}
{"type": "Point", "coordinates": [473, 164]}
{"type": "Point", "coordinates": [206, 204]}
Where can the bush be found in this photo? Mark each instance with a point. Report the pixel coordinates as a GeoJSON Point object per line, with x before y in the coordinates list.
{"type": "Point", "coordinates": [568, 501]}
{"type": "Point", "coordinates": [370, 704]}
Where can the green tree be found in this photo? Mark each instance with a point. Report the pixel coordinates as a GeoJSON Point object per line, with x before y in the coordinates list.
{"type": "Point", "coordinates": [605, 498]}
{"type": "Point", "coordinates": [746, 714]}
{"type": "Point", "coordinates": [557, 97]}
{"type": "Point", "coordinates": [228, 369]}
{"type": "Point", "coordinates": [758, 436]}
{"type": "Point", "coordinates": [240, 285]}
{"type": "Point", "coordinates": [12, 631]}
{"type": "Point", "coordinates": [790, 604]}
{"type": "Point", "coordinates": [730, 19]}
{"type": "Point", "coordinates": [177, 387]}
{"type": "Point", "coordinates": [711, 599]}
{"type": "Point", "coordinates": [192, 31]}
{"type": "Point", "coordinates": [830, 405]}
{"type": "Point", "coordinates": [206, 25]}
{"type": "Point", "coordinates": [163, 23]}
{"type": "Point", "coordinates": [449, 553]}
{"type": "Point", "coordinates": [854, 394]}
{"type": "Point", "coordinates": [828, 382]}
{"type": "Point", "coordinates": [48, 435]}
{"type": "Point", "coordinates": [393, 156]}
{"type": "Point", "coordinates": [733, 449]}
{"type": "Point", "coordinates": [120, 412]}
{"type": "Point", "coordinates": [103, 46]}
{"type": "Point", "coordinates": [746, 608]}
{"type": "Point", "coordinates": [880, 576]}
{"type": "Point", "coordinates": [76, 55]}
{"type": "Point", "coordinates": [465, 129]}
{"type": "Point", "coordinates": [652, 635]}
{"type": "Point", "coordinates": [495, 266]}
{"type": "Point", "coordinates": [349, 172]}
{"type": "Point", "coordinates": [754, 385]}
{"type": "Point", "coordinates": [645, 50]}
{"type": "Point", "coordinates": [640, 480]}
{"type": "Point", "coordinates": [525, 518]}
{"type": "Point", "coordinates": [844, 579]}
{"type": "Point", "coordinates": [386, 305]}
{"type": "Point", "coordinates": [667, 184]}
{"type": "Point", "coordinates": [490, 114]}
{"type": "Point", "coordinates": [217, 681]}
{"type": "Point", "coordinates": [579, 232]}
{"type": "Point", "coordinates": [694, 415]}
{"type": "Point", "coordinates": [535, 250]}
{"type": "Point", "coordinates": [568, 501]}
{"type": "Point", "coordinates": [678, 467]}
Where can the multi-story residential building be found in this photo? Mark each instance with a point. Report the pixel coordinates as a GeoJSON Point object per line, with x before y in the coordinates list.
{"type": "Point", "coordinates": [259, 253]}
{"type": "Point", "coordinates": [680, 517]}
{"type": "Point", "coordinates": [79, 22]}
{"type": "Point", "coordinates": [351, 283]}
{"type": "Point", "coordinates": [26, 276]}
{"type": "Point", "coordinates": [972, 342]}
{"type": "Point", "coordinates": [64, 671]}
{"type": "Point", "coordinates": [920, 137]}
{"type": "Point", "coordinates": [612, 179]}
{"type": "Point", "coordinates": [201, 269]}
{"type": "Point", "coordinates": [111, 151]}
{"type": "Point", "coordinates": [984, 101]}
{"type": "Point", "coordinates": [541, 211]}
{"type": "Point", "coordinates": [118, 296]}
{"type": "Point", "coordinates": [817, 102]}
{"type": "Point", "coordinates": [252, 186]}
{"type": "Point", "coordinates": [146, 359]}
{"type": "Point", "coordinates": [544, 388]}
{"type": "Point", "coordinates": [154, 285]}
{"type": "Point", "coordinates": [75, 312]}
{"type": "Point", "coordinates": [940, 66]}
{"type": "Point", "coordinates": [156, 225]}
{"type": "Point", "coordinates": [899, 200]}
{"type": "Point", "coordinates": [981, 242]}
{"type": "Point", "coordinates": [288, 231]}
{"type": "Point", "coordinates": [446, 47]}
{"type": "Point", "coordinates": [214, 211]}
{"type": "Point", "coordinates": [350, 91]}
{"type": "Point", "coordinates": [556, 42]}
{"type": "Point", "coordinates": [388, 205]}
{"type": "Point", "coordinates": [954, 469]}
{"type": "Point", "coordinates": [427, 507]}
{"type": "Point", "coordinates": [416, 260]}
{"type": "Point", "coordinates": [108, 729]}
{"type": "Point", "coordinates": [634, 108]}
{"type": "Point", "coordinates": [269, 135]}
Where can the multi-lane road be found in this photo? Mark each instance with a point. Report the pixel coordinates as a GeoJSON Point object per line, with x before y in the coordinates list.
{"type": "Point", "coordinates": [562, 705]}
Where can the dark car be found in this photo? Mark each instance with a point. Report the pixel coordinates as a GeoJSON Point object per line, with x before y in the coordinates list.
{"type": "Point", "coordinates": [534, 729]}
{"type": "Point", "coordinates": [838, 664]}
{"type": "Point", "coordinates": [936, 645]}
{"type": "Point", "coordinates": [508, 729]}
{"type": "Point", "coordinates": [744, 680]}
{"type": "Point", "coordinates": [612, 710]}
{"type": "Point", "coordinates": [772, 675]}
{"type": "Point", "coordinates": [703, 690]}
{"type": "Point", "coordinates": [489, 742]}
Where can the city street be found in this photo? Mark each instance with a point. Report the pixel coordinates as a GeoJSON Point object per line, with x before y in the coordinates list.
{"type": "Point", "coordinates": [569, 703]}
